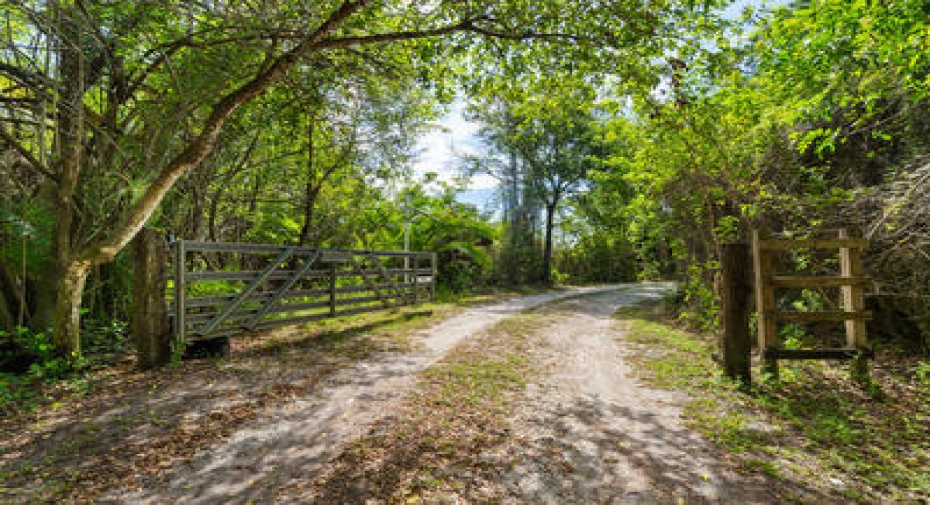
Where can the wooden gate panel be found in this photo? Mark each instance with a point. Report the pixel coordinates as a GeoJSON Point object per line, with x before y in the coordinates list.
{"type": "Point", "coordinates": [327, 283]}
{"type": "Point", "coordinates": [850, 280]}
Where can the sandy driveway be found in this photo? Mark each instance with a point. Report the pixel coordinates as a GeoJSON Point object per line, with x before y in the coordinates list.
{"type": "Point", "coordinates": [586, 431]}
{"type": "Point", "coordinates": [295, 441]}
{"type": "Point", "coordinates": [589, 432]}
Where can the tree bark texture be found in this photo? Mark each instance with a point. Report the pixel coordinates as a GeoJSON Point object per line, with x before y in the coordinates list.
{"type": "Point", "coordinates": [547, 246]}
{"type": "Point", "coordinates": [151, 333]}
{"type": "Point", "coordinates": [311, 189]}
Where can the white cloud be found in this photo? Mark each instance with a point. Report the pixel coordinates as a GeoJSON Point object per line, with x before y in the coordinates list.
{"type": "Point", "coordinates": [483, 181]}
{"type": "Point", "coordinates": [440, 150]}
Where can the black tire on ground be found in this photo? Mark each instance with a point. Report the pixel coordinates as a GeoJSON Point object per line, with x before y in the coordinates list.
{"type": "Point", "coordinates": [212, 348]}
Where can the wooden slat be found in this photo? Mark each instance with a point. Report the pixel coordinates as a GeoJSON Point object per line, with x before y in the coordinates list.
{"type": "Point", "coordinates": [854, 301]}
{"type": "Point", "coordinates": [787, 244]}
{"type": "Point", "coordinates": [238, 247]}
{"type": "Point", "coordinates": [842, 353]}
{"type": "Point", "coordinates": [766, 327]}
{"type": "Point", "coordinates": [805, 281]}
{"type": "Point", "coordinates": [828, 316]}
{"type": "Point", "coordinates": [180, 291]}
{"type": "Point", "coordinates": [328, 254]}
{"type": "Point", "coordinates": [359, 310]}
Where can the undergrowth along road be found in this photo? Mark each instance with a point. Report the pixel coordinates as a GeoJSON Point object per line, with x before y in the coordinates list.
{"type": "Point", "coordinates": [816, 430]}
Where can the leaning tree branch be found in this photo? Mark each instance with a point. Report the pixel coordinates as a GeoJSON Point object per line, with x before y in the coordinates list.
{"type": "Point", "coordinates": [340, 42]}
{"type": "Point", "coordinates": [465, 25]}
{"type": "Point", "coordinates": [201, 146]}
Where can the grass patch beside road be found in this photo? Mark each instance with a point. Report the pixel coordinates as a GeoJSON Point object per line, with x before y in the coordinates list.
{"type": "Point", "coordinates": [436, 448]}
{"type": "Point", "coordinates": [816, 430]}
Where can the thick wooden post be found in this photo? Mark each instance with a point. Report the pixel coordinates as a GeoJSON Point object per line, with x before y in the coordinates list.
{"type": "Point", "coordinates": [180, 296]}
{"type": "Point", "coordinates": [765, 305]}
{"type": "Point", "coordinates": [151, 332]}
{"type": "Point", "coordinates": [735, 345]}
{"type": "Point", "coordinates": [854, 301]}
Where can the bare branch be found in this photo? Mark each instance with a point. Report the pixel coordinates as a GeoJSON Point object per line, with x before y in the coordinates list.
{"type": "Point", "coordinates": [33, 161]}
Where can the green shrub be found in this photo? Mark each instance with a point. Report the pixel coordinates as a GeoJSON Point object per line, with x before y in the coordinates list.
{"type": "Point", "coordinates": [23, 351]}
{"type": "Point", "coordinates": [104, 336]}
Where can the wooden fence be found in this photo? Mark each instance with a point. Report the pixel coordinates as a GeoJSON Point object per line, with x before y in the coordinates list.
{"type": "Point", "coordinates": [850, 280]}
{"type": "Point", "coordinates": [218, 290]}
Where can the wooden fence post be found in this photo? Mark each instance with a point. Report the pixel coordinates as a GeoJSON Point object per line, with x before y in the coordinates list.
{"type": "Point", "coordinates": [151, 332]}
{"type": "Point", "coordinates": [735, 345]}
{"type": "Point", "coordinates": [854, 301]}
{"type": "Point", "coordinates": [434, 269]}
{"type": "Point", "coordinates": [332, 289]}
{"type": "Point", "coordinates": [765, 305]}
{"type": "Point", "coordinates": [416, 280]}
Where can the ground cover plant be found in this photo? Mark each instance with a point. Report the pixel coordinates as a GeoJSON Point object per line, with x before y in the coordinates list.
{"type": "Point", "coordinates": [816, 426]}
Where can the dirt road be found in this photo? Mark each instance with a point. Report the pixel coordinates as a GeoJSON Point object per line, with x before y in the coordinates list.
{"type": "Point", "coordinates": [295, 441]}
{"type": "Point", "coordinates": [587, 430]}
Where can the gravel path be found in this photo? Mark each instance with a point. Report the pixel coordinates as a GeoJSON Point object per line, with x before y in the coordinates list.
{"type": "Point", "coordinates": [296, 441]}
{"type": "Point", "coordinates": [589, 432]}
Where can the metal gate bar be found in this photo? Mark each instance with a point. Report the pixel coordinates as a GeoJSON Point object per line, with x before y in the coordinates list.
{"type": "Point", "coordinates": [211, 313]}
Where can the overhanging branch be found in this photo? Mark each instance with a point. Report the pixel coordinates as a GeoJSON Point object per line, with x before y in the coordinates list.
{"type": "Point", "coordinates": [37, 165]}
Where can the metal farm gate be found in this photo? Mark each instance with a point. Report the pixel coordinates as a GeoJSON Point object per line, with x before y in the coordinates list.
{"type": "Point", "coordinates": [222, 289]}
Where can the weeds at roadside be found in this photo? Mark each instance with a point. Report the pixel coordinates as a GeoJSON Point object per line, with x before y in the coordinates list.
{"type": "Point", "coordinates": [814, 427]}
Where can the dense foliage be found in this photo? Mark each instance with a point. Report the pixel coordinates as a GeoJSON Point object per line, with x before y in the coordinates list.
{"type": "Point", "coordinates": [807, 120]}
{"type": "Point", "coordinates": [630, 139]}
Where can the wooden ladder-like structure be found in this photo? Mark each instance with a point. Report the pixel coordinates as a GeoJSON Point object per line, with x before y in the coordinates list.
{"type": "Point", "coordinates": [851, 282]}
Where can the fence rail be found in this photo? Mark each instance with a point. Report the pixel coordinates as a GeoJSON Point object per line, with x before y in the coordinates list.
{"type": "Point", "coordinates": [850, 281]}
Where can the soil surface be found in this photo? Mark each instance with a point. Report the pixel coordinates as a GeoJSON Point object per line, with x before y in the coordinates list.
{"type": "Point", "coordinates": [585, 431]}
{"type": "Point", "coordinates": [589, 432]}
{"type": "Point", "coordinates": [295, 441]}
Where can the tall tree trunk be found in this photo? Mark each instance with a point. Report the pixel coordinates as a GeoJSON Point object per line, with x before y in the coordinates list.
{"type": "Point", "coordinates": [70, 141]}
{"type": "Point", "coordinates": [73, 266]}
{"type": "Point", "coordinates": [514, 233]}
{"type": "Point", "coordinates": [546, 276]}
{"type": "Point", "coordinates": [10, 300]}
{"type": "Point", "coordinates": [311, 189]}
{"type": "Point", "coordinates": [68, 307]}
{"type": "Point", "coordinates": [306, 231]}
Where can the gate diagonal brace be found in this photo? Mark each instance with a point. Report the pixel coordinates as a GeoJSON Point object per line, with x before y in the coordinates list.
{"type": "Point", "coordinates": [233, 305]}
{"type": "Point", "coordinates": [281, 291]}
{"type": "Point", "coordinates": [389, 278]}
{"type": "Point", "coordinates": [371, 284]}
